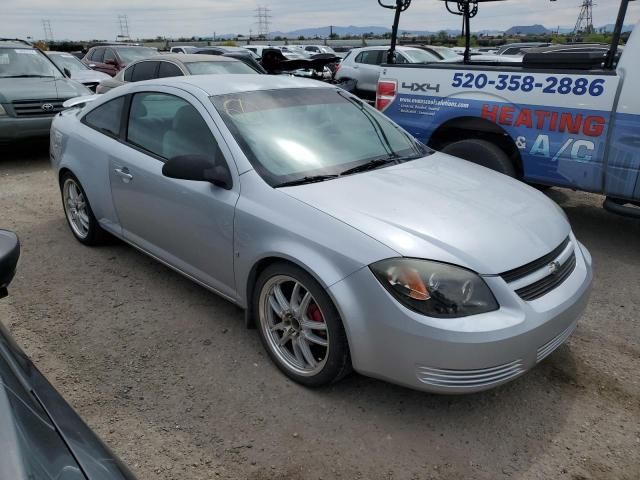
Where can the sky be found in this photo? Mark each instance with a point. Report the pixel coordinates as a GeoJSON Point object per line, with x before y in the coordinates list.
{"type": "Point", "coordinates": [82, 19]}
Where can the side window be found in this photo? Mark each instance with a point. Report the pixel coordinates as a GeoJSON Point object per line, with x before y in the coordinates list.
{"type": "Point", "coordinates": [144, 71]}
{"type": "Point", "coordinates": [107, 117]}
{"type": "Point", "coordinates": [98, 55]}
{"type": "Point", "coordinates": [372, 57]}
{"type": "Point", "coordinates": [169, 126]}
{"type": "Point", "coordinates": [168, 69]}
{"type": "Point", "coordinates": [109, 55]}
{"type": "Point", "coordinates": [401, 58]}
{"type": "Point", "coordinates": [359, 57]}
{"type": "Point", "coordinates": [128, 73]}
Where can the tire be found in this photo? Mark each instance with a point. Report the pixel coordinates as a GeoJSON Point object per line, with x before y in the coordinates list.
{"type": "Point", "coordinates": [482, 152]}
{"type": "Point", "coordinates": [77, 210]}
{"type": "Point", "coordinates": [310, 318]}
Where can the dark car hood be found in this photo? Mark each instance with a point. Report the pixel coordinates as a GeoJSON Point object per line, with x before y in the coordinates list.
{"type": "Point", "coordinates": [41, 436]}
{"type": "Point", "coordinates": [12, 89]}
{"type": "Point", "coordinates": [31, 446]}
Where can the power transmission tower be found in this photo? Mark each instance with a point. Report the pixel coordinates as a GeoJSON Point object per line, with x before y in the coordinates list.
{"type": "Point", "coordinates": [48, 34]}
{"type": "Point", "coordinates": [263, 19]}
{"type": "Point", "coordinates": [123, 22]}
{"type": "Point", "coordinates": [584, 24]}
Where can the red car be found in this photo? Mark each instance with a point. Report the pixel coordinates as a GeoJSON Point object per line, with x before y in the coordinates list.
{"type": "Point", "coordinates": [110, 59]}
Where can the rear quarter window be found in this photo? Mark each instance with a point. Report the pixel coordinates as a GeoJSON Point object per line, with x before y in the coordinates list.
{"type": "Point", "coordinates": [144, 71]}
{"type": "Point", "coordinates": [106, 118]}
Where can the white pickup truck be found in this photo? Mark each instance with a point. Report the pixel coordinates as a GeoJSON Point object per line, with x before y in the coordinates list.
{"type": "Point", "coordinates": [568, 119]}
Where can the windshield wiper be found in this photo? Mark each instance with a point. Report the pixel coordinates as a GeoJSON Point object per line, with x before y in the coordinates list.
{"type": "Point", "coordinates": [308, 179]}
{"type": "Point", "coordinates": [371, 165]}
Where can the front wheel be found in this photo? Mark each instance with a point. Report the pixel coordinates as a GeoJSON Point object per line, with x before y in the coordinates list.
{"type": "Point", "coordinates": [482, 153]}
{"type": "Point", "coordinates": [300, 327]}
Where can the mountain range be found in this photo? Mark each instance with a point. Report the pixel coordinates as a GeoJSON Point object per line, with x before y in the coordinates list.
{"type": "Point", "coordinates": [353, 30]}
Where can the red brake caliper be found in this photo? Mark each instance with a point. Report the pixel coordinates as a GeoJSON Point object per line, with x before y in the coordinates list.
{"type": "Point", "coordinates": [315, 314]}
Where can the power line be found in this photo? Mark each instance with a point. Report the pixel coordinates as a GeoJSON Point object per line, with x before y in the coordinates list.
{"type": "Point", "coordinates": [48, 34]}
{"type": "Point", "coordinates": [263, 17]}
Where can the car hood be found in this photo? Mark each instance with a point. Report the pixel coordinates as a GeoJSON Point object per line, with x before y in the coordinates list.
{"type": "Point", "coordinates": [446, 209]}
{"type": "Point", "coordinates": [12, 89]}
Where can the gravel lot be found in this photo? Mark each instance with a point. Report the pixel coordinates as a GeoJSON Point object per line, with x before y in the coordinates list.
{"type": "Point", "coordinates": [168, 376]}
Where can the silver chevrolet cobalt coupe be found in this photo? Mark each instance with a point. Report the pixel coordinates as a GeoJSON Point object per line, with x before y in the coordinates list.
{"type": "Point", "coordinates": [349, 244]}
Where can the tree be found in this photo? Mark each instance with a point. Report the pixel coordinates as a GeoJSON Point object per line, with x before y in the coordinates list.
{"type": "Point", "coordinates": [301, 37]}
{"type": "Point", "coordinates": [443, 36]}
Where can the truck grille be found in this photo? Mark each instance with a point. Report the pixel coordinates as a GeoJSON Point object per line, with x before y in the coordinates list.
{"type": "Point", "coordinates": [37, 108]}
{"type": "Point", "coordinates": [560, 265]}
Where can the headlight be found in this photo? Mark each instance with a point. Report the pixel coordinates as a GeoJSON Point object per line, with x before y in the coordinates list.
{"type": "Point", "coordinates": [435, 289]}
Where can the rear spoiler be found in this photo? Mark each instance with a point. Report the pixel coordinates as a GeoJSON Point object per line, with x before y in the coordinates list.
{"type": "Point", "coordinates": [80, 101]}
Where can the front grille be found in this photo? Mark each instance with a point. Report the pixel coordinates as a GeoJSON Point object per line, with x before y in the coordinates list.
{"type": "Point", "coordinates": [529, 268]}
{"type": "Point", "coordinates": [480, 378]}
{"type": "Point", "coordinates": [548, 283]}
{"type": "Point", "coordinates": [37, 108]}
{"type": "Point", "coordinates": [546, 349]}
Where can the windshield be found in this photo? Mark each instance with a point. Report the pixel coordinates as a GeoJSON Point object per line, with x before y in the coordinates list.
{"type": "Point", "coordinates": [290, 134]}
{"type": "Point", "coordinates": [68, 61]}
{"type": "Point", "coordinates": [131, 54]}
{"type": "Point", "coordinates": [419, 56]}
{"type": "Point", "coordinates": [205, 68]}
{"type": "Point", "coordinates": [26, 62]}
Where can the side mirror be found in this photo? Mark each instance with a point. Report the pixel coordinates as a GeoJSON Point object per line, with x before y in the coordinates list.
{"type": "Point", "coordinates": [9, 255]}
{"type": "Point", "coordinates": [67, 72]}
{"type": "Point", "coordinates": [198, 168]}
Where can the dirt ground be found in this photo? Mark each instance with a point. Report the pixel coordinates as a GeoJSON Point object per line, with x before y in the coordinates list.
{"type": "Point", "coordinates": [168, 376]}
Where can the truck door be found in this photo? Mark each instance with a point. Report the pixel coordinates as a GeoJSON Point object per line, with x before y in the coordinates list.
{"type": "Point", "coordinates": [622, 167]}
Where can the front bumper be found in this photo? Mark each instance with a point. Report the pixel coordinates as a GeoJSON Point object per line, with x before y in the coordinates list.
{"type": "Point", "coordinates": [463, 355]}
{"type": "Point", "coordinates": [18, 128]}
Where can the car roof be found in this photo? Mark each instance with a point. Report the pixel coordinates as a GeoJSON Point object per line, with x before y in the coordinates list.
{"type": "Point", "coordinates": [15, 44]}
{"type": "Point", "coordinates": [236, 83]}
{"type": "Point", "coordinates": [191, 58]}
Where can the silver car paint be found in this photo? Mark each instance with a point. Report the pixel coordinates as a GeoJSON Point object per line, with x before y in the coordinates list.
{"type": "Point", "coordinates": [445, 208]}
{"type": "Point", "coordinates": [438, 208]}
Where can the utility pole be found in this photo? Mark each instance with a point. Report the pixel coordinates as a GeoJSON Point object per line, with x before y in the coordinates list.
{"type": "Point", "coordinates": [48, 34]}
{"type": "Point", "coordinates": [263, 19]}
{"type": "Point", "coordinates": [584, 24]}
{"type": "Point", "coordinates": [123, 22]}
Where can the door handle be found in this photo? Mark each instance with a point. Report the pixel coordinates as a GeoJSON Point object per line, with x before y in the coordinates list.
{"type": "Point", "coordinates": [124, 173]}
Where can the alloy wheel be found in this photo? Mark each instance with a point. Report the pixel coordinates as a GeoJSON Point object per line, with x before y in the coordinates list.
{"type": "Point", "coordinates": [294, 325]}
{"type": "Point", "coordinates": [75, 207]}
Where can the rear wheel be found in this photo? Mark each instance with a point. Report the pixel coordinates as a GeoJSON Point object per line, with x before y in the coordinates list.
{"type": "Point", "coordinates": [300, 327]}
{"type": "Point", "coordinates": [482, 153]}
{"type": "Point", "coordinates": [82, 222]}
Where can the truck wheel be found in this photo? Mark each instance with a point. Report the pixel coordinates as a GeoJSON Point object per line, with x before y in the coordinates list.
{"type": "Point", "coordinates": [482, 153]}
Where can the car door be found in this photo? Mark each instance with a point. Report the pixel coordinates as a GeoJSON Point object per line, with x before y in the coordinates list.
{"type": "Point", "coordinates": [368, 64]}
{"type": "Point", "coordinates": [186, 224]}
